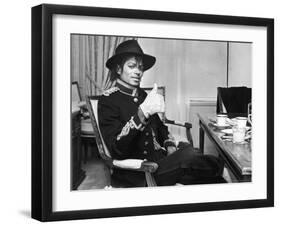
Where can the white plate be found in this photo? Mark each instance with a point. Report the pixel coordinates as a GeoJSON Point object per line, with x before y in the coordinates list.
{"type": "Point", "coordinates": [220, 126]}
{"type": "Point", "coordinates": [229, 131]}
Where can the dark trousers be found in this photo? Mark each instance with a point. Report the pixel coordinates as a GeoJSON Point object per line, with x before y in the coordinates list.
{"type": "Point", "coordinates": [188, 167]}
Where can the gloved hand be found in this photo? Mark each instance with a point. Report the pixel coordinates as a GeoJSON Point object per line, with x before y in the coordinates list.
{"type": "Point", "coordinates": [153, 103]}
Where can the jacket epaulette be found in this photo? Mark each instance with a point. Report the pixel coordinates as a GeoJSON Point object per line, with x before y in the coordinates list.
{"type": "Point", "coordinates": [110, 91]}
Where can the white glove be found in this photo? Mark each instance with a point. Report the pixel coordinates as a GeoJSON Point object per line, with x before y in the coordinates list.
{"type": "Point", "coordinates": [153, 103]}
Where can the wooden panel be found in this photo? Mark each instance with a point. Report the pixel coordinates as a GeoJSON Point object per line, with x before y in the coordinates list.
{"type": "Point", "coordinates": [204, 107]}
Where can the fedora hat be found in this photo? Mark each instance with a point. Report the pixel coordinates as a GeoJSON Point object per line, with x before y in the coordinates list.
{"type": "Point", "coordinates": [130, 47]}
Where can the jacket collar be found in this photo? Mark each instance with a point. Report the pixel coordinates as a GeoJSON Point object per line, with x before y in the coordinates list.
{"type": "Point", "coordinates": [126, 88]}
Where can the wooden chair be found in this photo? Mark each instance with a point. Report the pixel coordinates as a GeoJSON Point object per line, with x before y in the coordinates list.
{"type": "Point", "coordinates": [186, 125]}
{"type": "Point", "coordinates": [88, 142]}
{"type": "Point", "coordinates": [87, 135]}
{"type": "Point", "coordinates": [130, 164]}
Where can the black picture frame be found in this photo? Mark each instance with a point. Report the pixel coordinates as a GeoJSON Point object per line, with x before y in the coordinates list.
{"type": "Point", "coordinates": [42, 106]}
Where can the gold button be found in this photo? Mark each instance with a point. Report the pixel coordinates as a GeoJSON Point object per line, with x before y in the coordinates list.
{"type": "Point", "coordinates": [147, 133]}
{"type": "Point", "coordinates": [145, 152]}
{"type": "Point", "coordinates": [136, 100]}
{"type": "Point", "coordinates": [146, 143]}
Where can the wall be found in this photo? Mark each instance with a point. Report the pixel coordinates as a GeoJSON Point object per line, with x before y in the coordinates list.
{"type": "Point", "coordinates": [240, 64]}
{"type": "Point", "coordinates": [193, 69]}
{"type": "Point", "coordinates": [186, 67]}
{"type": "Point", "coordinates": [15, 113]}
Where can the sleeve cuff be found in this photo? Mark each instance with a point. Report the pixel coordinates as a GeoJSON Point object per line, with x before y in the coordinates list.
{"type": "Point", "coordinates": [139, 119]}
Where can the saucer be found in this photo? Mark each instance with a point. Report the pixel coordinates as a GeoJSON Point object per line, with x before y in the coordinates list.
{"type": "Point", "coordinates": [230, 131]}
{"type": "Point", "coordinates": [220, 126]}
{"type": "Point", "coordinates": [243, 142]}
{"type": "Point", "coordinates": [227, 131]}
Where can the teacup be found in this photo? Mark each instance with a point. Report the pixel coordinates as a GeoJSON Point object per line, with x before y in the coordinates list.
{"type": "Point", "coordinates": [221, 119]}
{"type": "Point", "coordinates": [250, 119]}
{"type": "Point", "coordinates": [250, 113]}
{"type": "Point", "coordinates": [241, 122]}
{"type": "Point", "coordinates": [239, 134]}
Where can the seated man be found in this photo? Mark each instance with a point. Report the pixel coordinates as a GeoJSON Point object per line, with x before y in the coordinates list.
{"type": "Point", "coordinates": [131, 127]}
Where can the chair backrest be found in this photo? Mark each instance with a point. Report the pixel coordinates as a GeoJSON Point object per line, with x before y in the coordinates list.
{"type": "Point", "coordinates": [233, 99]}
{"type": "Point", "coordinates": [92, 105]}
{"type": "Point", "coordinates": [75, 92]}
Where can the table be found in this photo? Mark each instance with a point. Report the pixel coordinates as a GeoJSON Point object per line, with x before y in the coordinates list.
{"type": "Point", "coordinates": [237, 157]}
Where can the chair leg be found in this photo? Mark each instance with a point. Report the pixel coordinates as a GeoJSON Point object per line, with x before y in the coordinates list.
{"type": "Point", "coordinates": [201, 140]}
{"type": "Point", "coordinates": [108, 175]}
{"type": "Point", "coordinates": [150, 180]}
{"type": "Point", "coordinates": [82, 152]}
{"type": "Point", "coordinates": [85, 151]}
{"type": "Point", "coordinates": [226, 175]}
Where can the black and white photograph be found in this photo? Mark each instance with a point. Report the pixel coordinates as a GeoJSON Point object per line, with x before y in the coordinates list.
{"type": "Point", "coordinates": [145, 112]}
{"type": "Point", "coordinates": [159, 112]}
{"type": "Point", "coordinates": [139, 113]}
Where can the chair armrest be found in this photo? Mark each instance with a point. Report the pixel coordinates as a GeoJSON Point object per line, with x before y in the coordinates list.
{"type": "Point", "coordinates": [187, 126]}
{"type": "Point", "coordinates": [178, 123]}
{"type": "Point", "coordinates": [135, 164]}
{"type": "Point", "coordinates": [132, 164]}
{"type": "Point", "coordinates": [149, 167]}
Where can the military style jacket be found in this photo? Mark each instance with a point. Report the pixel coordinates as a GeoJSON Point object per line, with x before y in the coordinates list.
{"type": "Point", "coordinates": [127, 133]}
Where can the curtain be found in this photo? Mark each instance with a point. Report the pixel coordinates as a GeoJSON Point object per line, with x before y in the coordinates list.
{"type": "Point", "coordinates": [89, 54]}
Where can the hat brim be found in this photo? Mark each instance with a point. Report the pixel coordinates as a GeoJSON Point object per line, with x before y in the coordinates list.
{"type": "Point", "coordinates": [148, 61]}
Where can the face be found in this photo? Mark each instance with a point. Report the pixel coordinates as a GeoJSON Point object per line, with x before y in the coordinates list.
{"type": "Point", "coordinates": [132, 71]}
